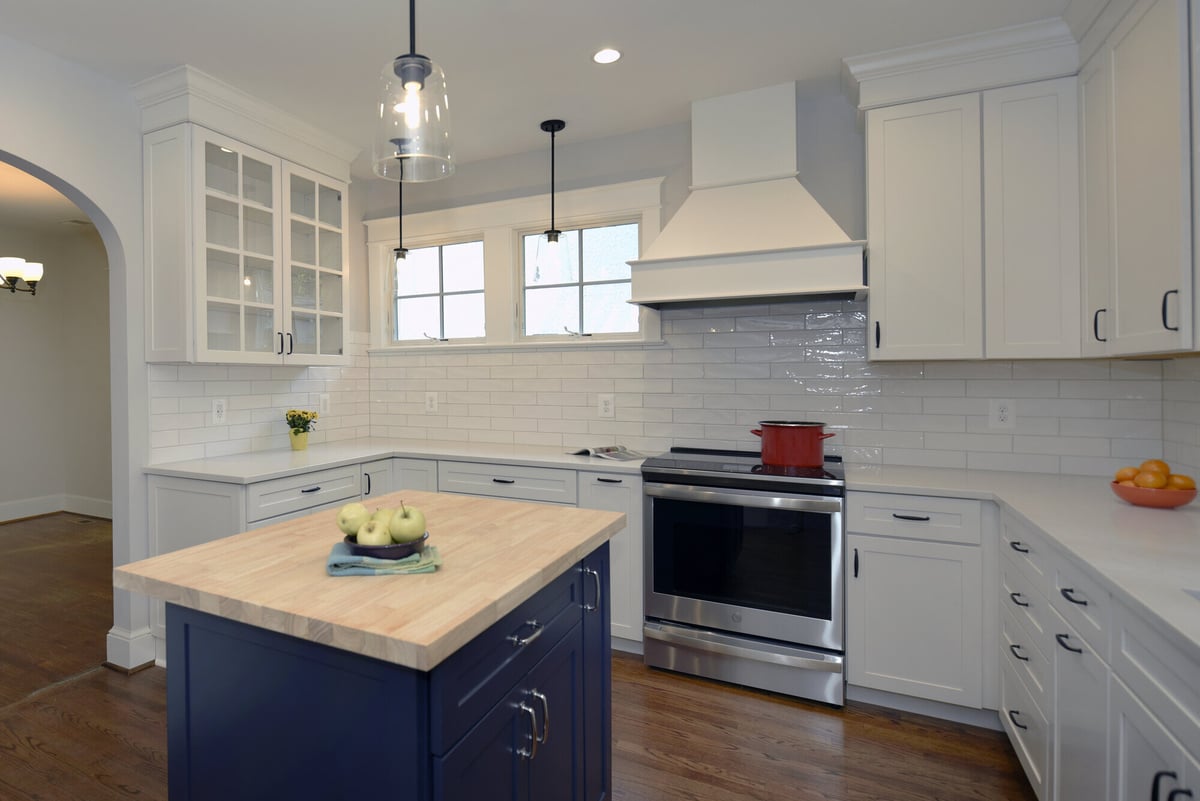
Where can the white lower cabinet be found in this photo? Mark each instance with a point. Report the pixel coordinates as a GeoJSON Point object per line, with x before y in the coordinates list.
{"type": "Point", "coordinates": [1081, 680]}
{"type": "Point", "coordinates": [376, 479]}
{"type": "Point", "coordinates": [622, 493]}
{"type": "Point", "coordinates": [914, 598]}
{"type": "Point", "coordinates": [417, 474]}
{"type": "Point", "coordinates": [1028, 730]}
{"type": "Point", "coordinates": [1147, 761]}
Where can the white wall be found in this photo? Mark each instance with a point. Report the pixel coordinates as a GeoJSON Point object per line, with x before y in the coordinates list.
{"type": "Point", "coordinates": [1181, 415]}
{"type": "Point", "coordinates": [80, 133]}
{"type": "Point", "coordinates": [57, 450]}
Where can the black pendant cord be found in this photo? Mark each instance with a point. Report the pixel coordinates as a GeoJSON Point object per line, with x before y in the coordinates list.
{"type": "Point", "coordinates": [400, 206]}
{"type": "Point", "coordinates": [412, 26]}
{"type": "Point", "coordinates": [552, 132]}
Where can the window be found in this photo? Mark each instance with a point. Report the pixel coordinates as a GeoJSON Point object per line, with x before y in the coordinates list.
{"type": "Point", "coordinates": [439, 293]}
{"type": "Point", "coordinates": [580, 287]}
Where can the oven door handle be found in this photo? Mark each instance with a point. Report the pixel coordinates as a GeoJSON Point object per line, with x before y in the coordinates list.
{"type": "Point", "coordinates": [765, 500]}
{"type": "Point", "coordinates": [712, 643]}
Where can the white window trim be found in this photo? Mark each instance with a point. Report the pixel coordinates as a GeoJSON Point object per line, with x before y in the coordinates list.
{"type": "Point", "coordinates": [500, 225]}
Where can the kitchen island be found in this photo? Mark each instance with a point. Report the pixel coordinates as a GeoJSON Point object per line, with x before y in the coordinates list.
{"type": "Point", "coordinates": [488, 678]}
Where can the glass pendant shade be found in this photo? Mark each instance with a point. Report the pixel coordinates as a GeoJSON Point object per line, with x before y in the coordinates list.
{"type": "Point", "coordinates": [412, 136]}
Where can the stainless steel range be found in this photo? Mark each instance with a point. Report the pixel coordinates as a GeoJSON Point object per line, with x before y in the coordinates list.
{"type": "Point", "coordinates": [744, 572]}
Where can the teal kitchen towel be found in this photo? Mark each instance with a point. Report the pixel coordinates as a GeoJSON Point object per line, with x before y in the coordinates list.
{"type": "Point", "coordinates": [343, 563]}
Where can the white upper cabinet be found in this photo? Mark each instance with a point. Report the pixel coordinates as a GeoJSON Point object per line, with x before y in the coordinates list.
{"type": "Point", "coordinates": [929, 213]}
{"type": "Point", "coordinates": [923, 230]}
{"type": "Point", "coordinates": [1138, 179]}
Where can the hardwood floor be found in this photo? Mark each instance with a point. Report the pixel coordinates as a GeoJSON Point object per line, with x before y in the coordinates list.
{"type": "Point", "coordinates": [73, 731]}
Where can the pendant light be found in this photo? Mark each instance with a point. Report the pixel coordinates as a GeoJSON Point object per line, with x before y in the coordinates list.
{"type": "Point", "coordinates": [15, 271]}
{"type": "Point", "coordinates": [549, 253]}
{"type": "Point", "coordinates": [414, 116]}
{"type": "Point", "coordinates": [400, 252]}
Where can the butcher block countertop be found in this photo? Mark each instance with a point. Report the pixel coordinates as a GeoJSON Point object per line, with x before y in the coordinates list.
{"type": "Point", "coordinates": [495, 554]}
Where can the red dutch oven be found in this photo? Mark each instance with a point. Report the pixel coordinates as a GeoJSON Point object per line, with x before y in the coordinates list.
{"type": "Point", "coordinates": [792, 444]}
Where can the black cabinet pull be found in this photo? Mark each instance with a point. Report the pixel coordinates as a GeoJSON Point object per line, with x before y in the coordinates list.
{"type": "Point", "coordinates": [280, 351]}
{"type": "Point", "coordinates": [1166, 295]}
{"type": "Point", "coordinates": [290, 343]}
{"type": "Point", "coordinates": [1015, 596]}
{"type": "Point", "coordinates": [1096, 326]}
{"type": "Point", "coordinates": [611, 480]}
{"type": "Point", "coordinates": [311, 489]}
{"type": "Point", "coordinates": [1158, 777]}
{"type": "Point", "coordinates": [1069, 594]}
{"type": "Point", "coordinates": [914, 518]}
{"type": "Point", "coordinates": [504, 481]}
{"type": "Point", "coordinates": [1062, 640]}
{"type": "Point", "coordinates": [1012, 715]}
{"type": "Point", "coordinates": [877, 333]}
{"type": "Point", "coordinates": [368, 476]}
{"type": "Point", "coordinates": [856, 563]}
{"type": "Point", "coordinates": [1014, 648]}
{"type": "Point", "coordinates": [1181, 793]}
{"type": "Point", "coordinates": [1018, 547]}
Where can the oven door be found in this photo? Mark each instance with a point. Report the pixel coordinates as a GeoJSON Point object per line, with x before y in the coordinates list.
{"type": "Point", "coordinates": [763, 564]}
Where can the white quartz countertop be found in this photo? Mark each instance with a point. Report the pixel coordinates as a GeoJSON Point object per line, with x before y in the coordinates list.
{"type": "Point", "coordinates": [247, 468]}
{"type": "Point", "coordinates": [1146, 557]}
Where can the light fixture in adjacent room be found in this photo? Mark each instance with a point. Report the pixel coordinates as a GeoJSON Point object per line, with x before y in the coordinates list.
{"type": "Point", "coordinates": [414, 116]}
{"type": "Point", "coordinates": [606, 56]}
{"type": "Point", "coordinates": [15, 271]}
{"type": "Point", "coordinates": [548, 248]}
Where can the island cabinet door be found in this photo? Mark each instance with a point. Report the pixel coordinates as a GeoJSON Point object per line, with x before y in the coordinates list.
{"type": "Point", "coordinates": [597, 675]}
{"type": "Point", "coordinates": [529, 746]}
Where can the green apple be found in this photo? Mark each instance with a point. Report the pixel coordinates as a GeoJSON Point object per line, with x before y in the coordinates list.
{"type": "Point", "coordinates": [408, 524]}
{"type": "Point", "coordinates": [374, 532]}
{"type": "Point", "coordinates": [383, 515]}
{"type": "Point", "coordinates": [351, 517]}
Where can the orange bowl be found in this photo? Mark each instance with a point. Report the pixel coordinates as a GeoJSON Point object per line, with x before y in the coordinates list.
{"type": "Point", "coordinates": [1158, 498]}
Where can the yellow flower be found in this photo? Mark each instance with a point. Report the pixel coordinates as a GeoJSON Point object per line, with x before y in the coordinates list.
{"type": "Point", "coordinates": [300, 420]}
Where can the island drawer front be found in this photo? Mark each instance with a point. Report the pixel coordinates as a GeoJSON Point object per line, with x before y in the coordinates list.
{"type": "Point", "coordinates": [281, 496]}
{"type": "Point", "coordinates": [473, 679]}
{"type": "Point", "coordinates": [917, 517]}
{"type": "Point", "coordinates": [515, 482]}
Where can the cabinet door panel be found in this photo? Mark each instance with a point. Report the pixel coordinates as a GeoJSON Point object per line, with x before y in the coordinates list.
{"type": "Point", "coordinates": [914, 614]}
{"type": "Point", "coordinates": [1144, 755]}
{"type": "Point", "coordinates": [1080, 718]}
{"type": "Point", "coordinates": [924, 211]}
{"type": "Point", "coordinates": [1095, 110]}
{"type": "Point", "coordinates": [620, 494]}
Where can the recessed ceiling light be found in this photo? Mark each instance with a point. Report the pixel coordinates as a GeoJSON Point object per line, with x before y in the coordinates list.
{"type": "Point", "coordinates": [606, 56]}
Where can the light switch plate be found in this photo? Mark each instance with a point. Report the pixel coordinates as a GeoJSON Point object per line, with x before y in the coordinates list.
{"type": "Point", "coordinates": [324, 407]}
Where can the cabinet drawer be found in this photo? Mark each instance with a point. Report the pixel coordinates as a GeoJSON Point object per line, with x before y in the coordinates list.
{"type": "Point", "coordinates": [282, 496]}
{"type": "Point", "coordinates": [914, 517]}
{"type": "Point", "coordinates": [1029, 607]}
{"type": "Point", "coordinates": [517, 483]}
{"type": "Point", "coordinates": [1027, 550]}
{"type": "Point", "coordinates": [1083, 603]}
{"type": "Point", "coordinates": [1027, 729]}
{"type": "Point", "coordinates": [1021, 654]}
{"type": "Point", "coordinates": [474, 678]}
{"type": "Point", "coordinates": [1161, 675]}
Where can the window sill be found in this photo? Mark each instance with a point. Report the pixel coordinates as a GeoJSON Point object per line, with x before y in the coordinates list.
{"type": "Point", "coordinates": [589, 342]}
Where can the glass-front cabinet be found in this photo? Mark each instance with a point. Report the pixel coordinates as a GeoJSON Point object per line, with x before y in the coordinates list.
{"type": "Point", "coordinates": [263, 242]}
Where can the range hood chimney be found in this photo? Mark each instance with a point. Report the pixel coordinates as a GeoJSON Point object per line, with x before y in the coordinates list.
{"type": "Point", "coordinates": [749, 231]}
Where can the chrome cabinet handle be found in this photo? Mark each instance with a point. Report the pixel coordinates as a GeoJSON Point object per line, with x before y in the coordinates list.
{"type": "Point", "coordinates": [1062, 640]}
{"type": "Point", "coordinates": [1017, 546]}
{"type": "Point", "coordinates": [531, 751]}
{"type": "Point", "coordinates": [1158, 777]}
{"type": "Point", "coordinates": [545, 716]}
{"type": "Point", "coordinates": [1015, 648]}
{"type": "Point", "coordinates": [1012, 715]}
{"type": "Point", "coordinates": [1068, 593]}
{"type": "Point", "coordinates": [1015, 599]}
{"type": "Point", "coordinates": [595, 574]}
{"type": "Point", "coordinates": [521, 642]}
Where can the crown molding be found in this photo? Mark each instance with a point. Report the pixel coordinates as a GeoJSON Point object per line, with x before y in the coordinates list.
{"type": "Point", "coordinates": [185, 94]}
{"type": "Point", "coordinates": [1016, 54]}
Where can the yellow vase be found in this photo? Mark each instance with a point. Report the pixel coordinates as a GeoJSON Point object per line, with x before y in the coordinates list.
{"type": "Point", "coordinates": [299, 441]}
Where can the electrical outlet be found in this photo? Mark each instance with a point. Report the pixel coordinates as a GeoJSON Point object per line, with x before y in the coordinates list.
{"type": "Point", "coordinates": [324, 405]}
{"type": "Point", "coordinates": [430, 403]}
{"type": "Point", "coordinates": [605, 406]}
{"type": "Point", "coordinates": [219, 410]}
{"type": "Point", "coordinates": [1001, 414]}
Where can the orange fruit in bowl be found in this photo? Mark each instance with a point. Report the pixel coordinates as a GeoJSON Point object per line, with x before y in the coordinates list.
{"type": "Point", "coordinates": [1127, 483]}
{"type": "Point", "coordinates": [1178, 481]}
{"type": "Point", "coordinates": [1156, 466]}
{"type": "Point", "coordinates": [1150, 479]}
{"type": "Point", "coordinates": [1126, 474]}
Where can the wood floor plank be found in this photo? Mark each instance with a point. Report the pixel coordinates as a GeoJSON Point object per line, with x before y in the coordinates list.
{"type": "Point", "coordinates": [71, 731]}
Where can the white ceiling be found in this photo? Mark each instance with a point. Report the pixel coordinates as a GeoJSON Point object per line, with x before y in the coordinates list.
{"type": "Point", "coordinates": [509, 63]}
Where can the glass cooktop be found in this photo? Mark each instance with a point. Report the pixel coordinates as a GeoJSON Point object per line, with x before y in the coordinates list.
{"type": "Point", "coordinates": [679, 463]}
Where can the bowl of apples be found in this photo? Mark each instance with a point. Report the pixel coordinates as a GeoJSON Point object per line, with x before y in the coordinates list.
{"type": "Point", "coordinates": [1153, 484]}
{"type": "Point", "coordinates": [385, 533]}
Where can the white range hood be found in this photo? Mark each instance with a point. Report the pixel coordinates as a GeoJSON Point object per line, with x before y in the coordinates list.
{"type": "Point", "coordinates": [749, 230]}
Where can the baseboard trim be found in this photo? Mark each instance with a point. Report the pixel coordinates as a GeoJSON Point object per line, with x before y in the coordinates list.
{"type": "Point", "coordinates": [127, 650]}
{"type": "Point", "coordinates": [30, 507]}
{"type": "Point", "coordinates": [92, 507]}
{"type": "Point", "coordinates": [983, 718]}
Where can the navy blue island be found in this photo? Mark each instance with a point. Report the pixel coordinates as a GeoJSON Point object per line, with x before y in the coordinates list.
{"type": "Point", "coordinates": [490, 678]}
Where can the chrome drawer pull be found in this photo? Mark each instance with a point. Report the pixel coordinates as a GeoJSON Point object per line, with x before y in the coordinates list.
{"type": "Point", "coordinates": [1014, 648]}
{"type": "Point", "coordinates": [520, 642]}
{"type": "Point", "coordinates": [1068, 593]}
{"type": "Point", "coordinates": [1012, 715]}
{"type": "Point", "coordinates": [531, 751]}
{"type": "Point", "coordinates": [1062, 640]}
{"type": "Point", "coordinates": [545, 716]}
{"type": "Point", "coordinates": [1018, 547]}
{"type": "Point", "coordinates": [1015, 599]}
{"type": "Point", "coordinates": [595, 574]}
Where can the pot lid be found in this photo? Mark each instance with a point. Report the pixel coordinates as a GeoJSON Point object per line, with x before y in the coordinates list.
{"type": "Point", "coordinates": [791, 423]}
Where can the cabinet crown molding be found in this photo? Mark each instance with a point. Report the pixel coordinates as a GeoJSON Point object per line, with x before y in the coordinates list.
{"type": "Point", "coordinates": [186, 94]}
{"type": "Point", "coordinates": [1016, 54]}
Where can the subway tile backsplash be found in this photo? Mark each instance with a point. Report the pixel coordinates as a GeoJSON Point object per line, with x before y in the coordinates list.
{"type": "Point", "coordinates": [719, 372]}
